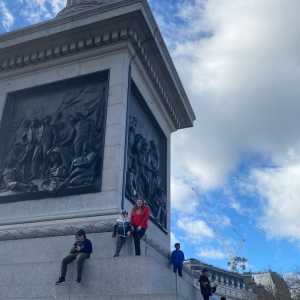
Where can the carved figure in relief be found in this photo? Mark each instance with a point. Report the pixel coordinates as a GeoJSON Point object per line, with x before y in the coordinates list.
{"type": "Point", "coordinates": [27, 143]}
{"type": "Point", "coordinates": [37, 157]}
{"type": "Point", "coordinates": [143, 177]}
{"type": "Point", "coordinates": [56, 172]}
{"type": "Point", "coordinates": [82, 170]}
{"type": "Point", "coordinates": [83, 128]}
{"type": "Point", "coordinates": [58, 150]}
{"type": "Point", "coordinates": [11, 180]}
{"type": "Point", "coordinates": [64, 130]}
{"type": "Point", "coordinates": [144, 180]}
{"type": "Point", "coordinates": [152, 167]}
{"type": "Point", "coordinates": [131, 187]}
{"type": "Point", "coordinates": [64, 137]}
{"type": "Point", "coordinates": [47, 139]}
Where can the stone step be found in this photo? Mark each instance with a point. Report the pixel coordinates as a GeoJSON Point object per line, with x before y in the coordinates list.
{"type": "Point", "coordinates": [103, 279]}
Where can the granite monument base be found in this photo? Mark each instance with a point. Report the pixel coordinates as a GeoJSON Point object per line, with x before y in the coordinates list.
{"type": "Point", "coordinates": [32, 267]}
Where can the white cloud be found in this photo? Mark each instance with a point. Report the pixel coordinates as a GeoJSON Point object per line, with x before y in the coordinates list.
{"type": "Point", "coordinates": [174, 239]}
{"type": "Point", "coordinates": [224, 221]}
{"type": "Point", "coordinates": [234, 204]}
{"type": "Point", "coordinates": [7, 19]}
{"type": "Point", "coordinates": [280, 190]}
{"type": "Point", "coordinates": [37, 10]}
{"type": "Point", "coordinates": [195, 229]}
{"type": "Point", "coordinates": [243, 83]}
{"type": "Point", "coordinates": [184, 198]}
{"type": "Point", "coordinates": [210, 253]}
{"type": "Point", "coordinates": [240, 63]}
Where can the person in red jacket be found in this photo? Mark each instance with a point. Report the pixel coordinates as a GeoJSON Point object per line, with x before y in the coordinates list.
{"type": "Point", "coordinates": [139, 220]}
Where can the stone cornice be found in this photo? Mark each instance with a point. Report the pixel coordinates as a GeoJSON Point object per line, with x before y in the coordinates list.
{"type": "Point", "coordinates": [137, 16]}
{"type": "Point", "coordinates": [74, 47]}
{"type": "Point", "coordinates": [62, 49]}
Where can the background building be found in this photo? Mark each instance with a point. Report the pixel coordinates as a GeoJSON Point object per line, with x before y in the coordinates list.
{"type": "Point", "coordinates": [229, 284]}
{"type": "Point", "coordinates": [293, 282]}
{"type": "Point", "coordinates": [274, 284]}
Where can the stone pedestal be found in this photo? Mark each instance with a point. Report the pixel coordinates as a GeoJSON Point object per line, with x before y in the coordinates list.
{"type": "Point", "coordinates": [31, 268]}
{"type": "Point", "coordinates": [78, 95]}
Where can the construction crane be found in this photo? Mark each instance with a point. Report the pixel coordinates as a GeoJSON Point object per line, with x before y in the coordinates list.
{"type": "Point", "coordinates": [236, 263]}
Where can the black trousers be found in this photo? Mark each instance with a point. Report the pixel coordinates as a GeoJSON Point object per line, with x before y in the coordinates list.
{"type": "Point", "coordinates": [137, 236]}
{"type": "Point", "coordinates": [120, 242]}
{"type": "Point", "coordinates": [81, 257]}
{"type": "Point", "coordinates": [205, 297]}
{"type": "Point", "coordinates": [178, 269]}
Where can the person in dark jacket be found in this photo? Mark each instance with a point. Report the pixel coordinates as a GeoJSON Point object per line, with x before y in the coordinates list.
{"type": "Point", "coordinates": [177, 259]}
{"type": "Point", "coordinates": [205, 286]}
{"type": "Point", "coordinates": [81, 251]}
{"type": "Point", "coordinates": [122, 230]}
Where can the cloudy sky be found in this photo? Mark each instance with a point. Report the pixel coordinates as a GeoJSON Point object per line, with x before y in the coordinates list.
{"type": "Point", "coordinates": [236, 174]}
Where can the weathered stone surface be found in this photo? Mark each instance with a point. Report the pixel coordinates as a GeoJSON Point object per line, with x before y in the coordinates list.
{"type": "Point", "coordinates": [273, 284]}
{"type": "Point", "coordinates": [32, 268]}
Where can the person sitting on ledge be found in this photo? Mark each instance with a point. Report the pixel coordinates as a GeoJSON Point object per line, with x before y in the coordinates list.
{"type": "Point", "coordinates": [81, 251]}
{"type": "Point", "coordinates": [139, 220]}
{"type": "Point", "coordinates": [177, 259]}
{"type": "Point", "coordinates": [122, 230]}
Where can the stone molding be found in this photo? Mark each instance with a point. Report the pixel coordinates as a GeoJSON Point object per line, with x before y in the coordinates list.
{"type": "Point", "coordinates": [30, 231]}
{"type": "Point", "coordinates": [63, 228]}
{"type": "Point", "coordinates": [93, 42]}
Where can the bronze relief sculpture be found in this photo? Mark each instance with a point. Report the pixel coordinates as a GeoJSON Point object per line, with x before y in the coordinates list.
{"type": "Point", "coordinates": [59, 147]}
{"type": "Point", "coordinates": [146, 159]}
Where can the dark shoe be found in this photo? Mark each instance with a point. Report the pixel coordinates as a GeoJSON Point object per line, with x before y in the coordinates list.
{"type": "Point", "coordinates": [78, 279]}
{"type": "Point", "coordinates": [116, 255]}
{"type": "Point", "coordinates": [60, 280]}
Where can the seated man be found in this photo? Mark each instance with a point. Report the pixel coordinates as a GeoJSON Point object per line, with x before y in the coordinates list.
{"type": "Point", "coordinates": [81, 251]}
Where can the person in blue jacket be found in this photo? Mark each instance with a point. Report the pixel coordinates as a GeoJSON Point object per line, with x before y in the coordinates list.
{"type": "Point", "coordinates": [177, 259]}
{"type": "Point", "coordinates": [81, 251]}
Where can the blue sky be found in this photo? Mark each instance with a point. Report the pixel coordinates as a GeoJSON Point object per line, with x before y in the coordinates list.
{"type": "Point", "coordinates": [236, 174]}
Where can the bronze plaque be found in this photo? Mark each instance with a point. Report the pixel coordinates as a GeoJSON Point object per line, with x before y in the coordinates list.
{"type": "Point", "coordinates": [146, 173]}
{"type": "Point", "coordinates": [52, 139]}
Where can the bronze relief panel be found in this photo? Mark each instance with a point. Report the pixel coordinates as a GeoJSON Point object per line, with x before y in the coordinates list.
{"type": "Point", "coordinates": [146, 172]}
{"type": "Point", "coordinates": [52, 139]}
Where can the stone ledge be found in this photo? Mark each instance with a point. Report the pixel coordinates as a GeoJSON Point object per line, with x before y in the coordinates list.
{"type": "Point", "coordinates": [106, 278]}
{"type": "Point", "coordinates": [67, 228]}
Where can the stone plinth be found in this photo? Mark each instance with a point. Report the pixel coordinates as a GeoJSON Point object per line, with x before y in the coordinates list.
{"type": "Point", "coordinates": [102, 72]}
{"type": "Point", "coordinates": [32, 267]}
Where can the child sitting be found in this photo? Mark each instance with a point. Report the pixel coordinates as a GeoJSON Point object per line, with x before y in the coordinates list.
{"type": "Point", "coordinates": [122, 230]}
